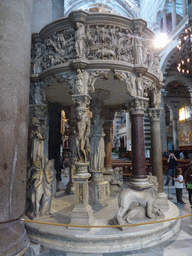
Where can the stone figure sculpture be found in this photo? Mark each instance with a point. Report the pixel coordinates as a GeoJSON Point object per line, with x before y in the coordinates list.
{"type": "Point", "coordinates": [156, 98]}
{"type": "Point", "coordinates": [115, 180]}
{"type": "Point", "coordinates": [146, 198]}
{"type": "Point", "coordinates": [48, 187]}
{"type": "Point", "coordinates": [79, 40]}
{"type": "Point", "coordinates": [139, 84]}
{"type": "Point", "coordinates": [138, 48]}
{"type": "Point", "coordinates": [97, 153]}
{"type": "Point", "coordinates": [37, 146]}
{"type": "Point", "coordinates": [40, 188]}
{"type": "Point", "coordinates": [38, 94]}
{"type": "Point", "coordinates": [37, 191]}
{"type": "Point", "coordinates": [37, 59]}
{"type": "Point", "coordinates": [82, 132]}
{"type": "Point", "coordinates": [79, 79]}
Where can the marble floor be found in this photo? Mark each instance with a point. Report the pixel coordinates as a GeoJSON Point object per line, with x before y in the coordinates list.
{"type": "Point", "coordinates": [178, 245]}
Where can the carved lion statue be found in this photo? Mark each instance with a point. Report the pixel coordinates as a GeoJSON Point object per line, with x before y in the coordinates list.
{"type": "Point", "coordinates": [132, 201]}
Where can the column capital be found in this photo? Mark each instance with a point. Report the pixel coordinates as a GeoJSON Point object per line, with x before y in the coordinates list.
{"type": "Point", "coordinates": [138, 105]}
{"type": "Point", "coordinates": [155, 113]}
{"type": "Point", "coordinates": [82, 100]}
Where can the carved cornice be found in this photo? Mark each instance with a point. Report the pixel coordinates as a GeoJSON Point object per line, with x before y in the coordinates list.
{"type": "Point", "coordinates": [155, 113]}
{"type": "Point", "coordinates": [78, 16]}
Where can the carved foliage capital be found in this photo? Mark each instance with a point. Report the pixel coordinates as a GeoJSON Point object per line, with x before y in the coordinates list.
{"type": "Point", "coordinates": [81, 100]}
{"type": "Point", "coordinates": [155, 113]}
{"type": "Point", "coordinates": [138, 105]}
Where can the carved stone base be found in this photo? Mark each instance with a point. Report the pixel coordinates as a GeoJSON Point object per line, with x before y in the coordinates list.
{"type": "Point", "coordinates": [82, 215]}
{"type": "Point", "coordinates": [13, 238]}
{"type": "Point", "coordinates": [99, 192]}
{"type": "Point", "coordinates": [162, 202]}
{"type": "Point", "coordinates": [70, 189]}
{"type": "Point", "coordinates": [139, 184]}
{"type": "Point", "coordinates": [107, 174]}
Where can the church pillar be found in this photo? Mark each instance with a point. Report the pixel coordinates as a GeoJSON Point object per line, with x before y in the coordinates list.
{"type": "Point", "coordinates": [163, 124]}
{"type": "Point", "coordinates": [175, 133]}
{"type": "Point", "coordinates": [99, 188]}
{"type": "Point", "coordinates": [139, 175]}
{"type": "Point", "coordinates": [15, 41]}
{"type": "Point", "coordinates": [108, 153]}
{"type": "Point", "coordinates": [174, 16]}
{"type": "Point", "coordinates": [82, 213]}
{"type": "Point", "coordinates": [164, 12]}
{"type": "Point", "coordinates": [70, 185]}
{"type": "Point", "coordinates": [184, 8]}
{"type": "Point", "coordinates": [156, 155]}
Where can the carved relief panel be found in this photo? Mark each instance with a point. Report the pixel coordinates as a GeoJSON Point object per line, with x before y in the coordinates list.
{"type": "Point", "coordinates": [109, 42]}
{"type": "Point", "coordinates": [56, 49]}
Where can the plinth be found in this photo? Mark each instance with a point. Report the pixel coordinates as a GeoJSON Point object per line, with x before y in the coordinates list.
{"type": "Point", "coordinates": [82, 214]}
{"type": "Point", "coordinates": [99, 189]}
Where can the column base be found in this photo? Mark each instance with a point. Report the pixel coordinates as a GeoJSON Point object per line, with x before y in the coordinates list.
{"type": "Point", "coordinates": [70, 189]}
{"type": "Point", "coordinates": [139, 184]}
{"type": "Point", "coordinates": [162, 202]}
{"type": "Point", "coordinates": [99, 192]}
{"type": "Point", "coordinates": [13, 238]}
{"type": "Point", "coordinates": [82, 215]}
{"type": "Point", "coordinates": [107, 174]}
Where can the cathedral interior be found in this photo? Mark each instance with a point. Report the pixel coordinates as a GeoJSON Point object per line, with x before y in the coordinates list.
{"type": "Point", "coordinates": [95, 95]}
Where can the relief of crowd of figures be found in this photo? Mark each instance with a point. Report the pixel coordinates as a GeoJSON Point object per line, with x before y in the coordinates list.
{"type": "Point", "coordinates": [93, 42]}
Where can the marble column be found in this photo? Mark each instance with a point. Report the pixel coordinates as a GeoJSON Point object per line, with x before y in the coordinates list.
{"type": "Point", "coordinates": [156, 155]}
{"type": "Point", "coordinates": [70, 186]}
{"type": "Point", "coordinates": [175, 133]}
{"type": "Point", "coordinates": [82, 213]}
{"type": "Point", "coordinates": [99, 189]}
{"type": "Point", "coordinates": [139, 176]}
{"type": "Point", "coordinates": [184, 8]}
{"type": "Point", "coordinates": [164, 13]}
{"type": "Point", "coordinates": [108, 153]}
{"type": "Point", "coordinates": [174, 16]}
{"type": "Point", "coordinates": [162, 123]}
{"type": "Point", "coordinates": [15, 41]}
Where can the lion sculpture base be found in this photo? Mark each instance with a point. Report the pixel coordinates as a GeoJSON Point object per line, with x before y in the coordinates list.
{"type": "Point", "coordinates": [137, 204]}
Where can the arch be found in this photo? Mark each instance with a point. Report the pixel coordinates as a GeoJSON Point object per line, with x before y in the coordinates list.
{"type": "Point", "coordinates": [184, 80]}
{"type": "Point", "coordinates": [169, 106]}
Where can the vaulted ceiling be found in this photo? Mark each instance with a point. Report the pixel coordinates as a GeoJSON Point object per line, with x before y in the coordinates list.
{"type": "Point", "coordinates": [128, 8]}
